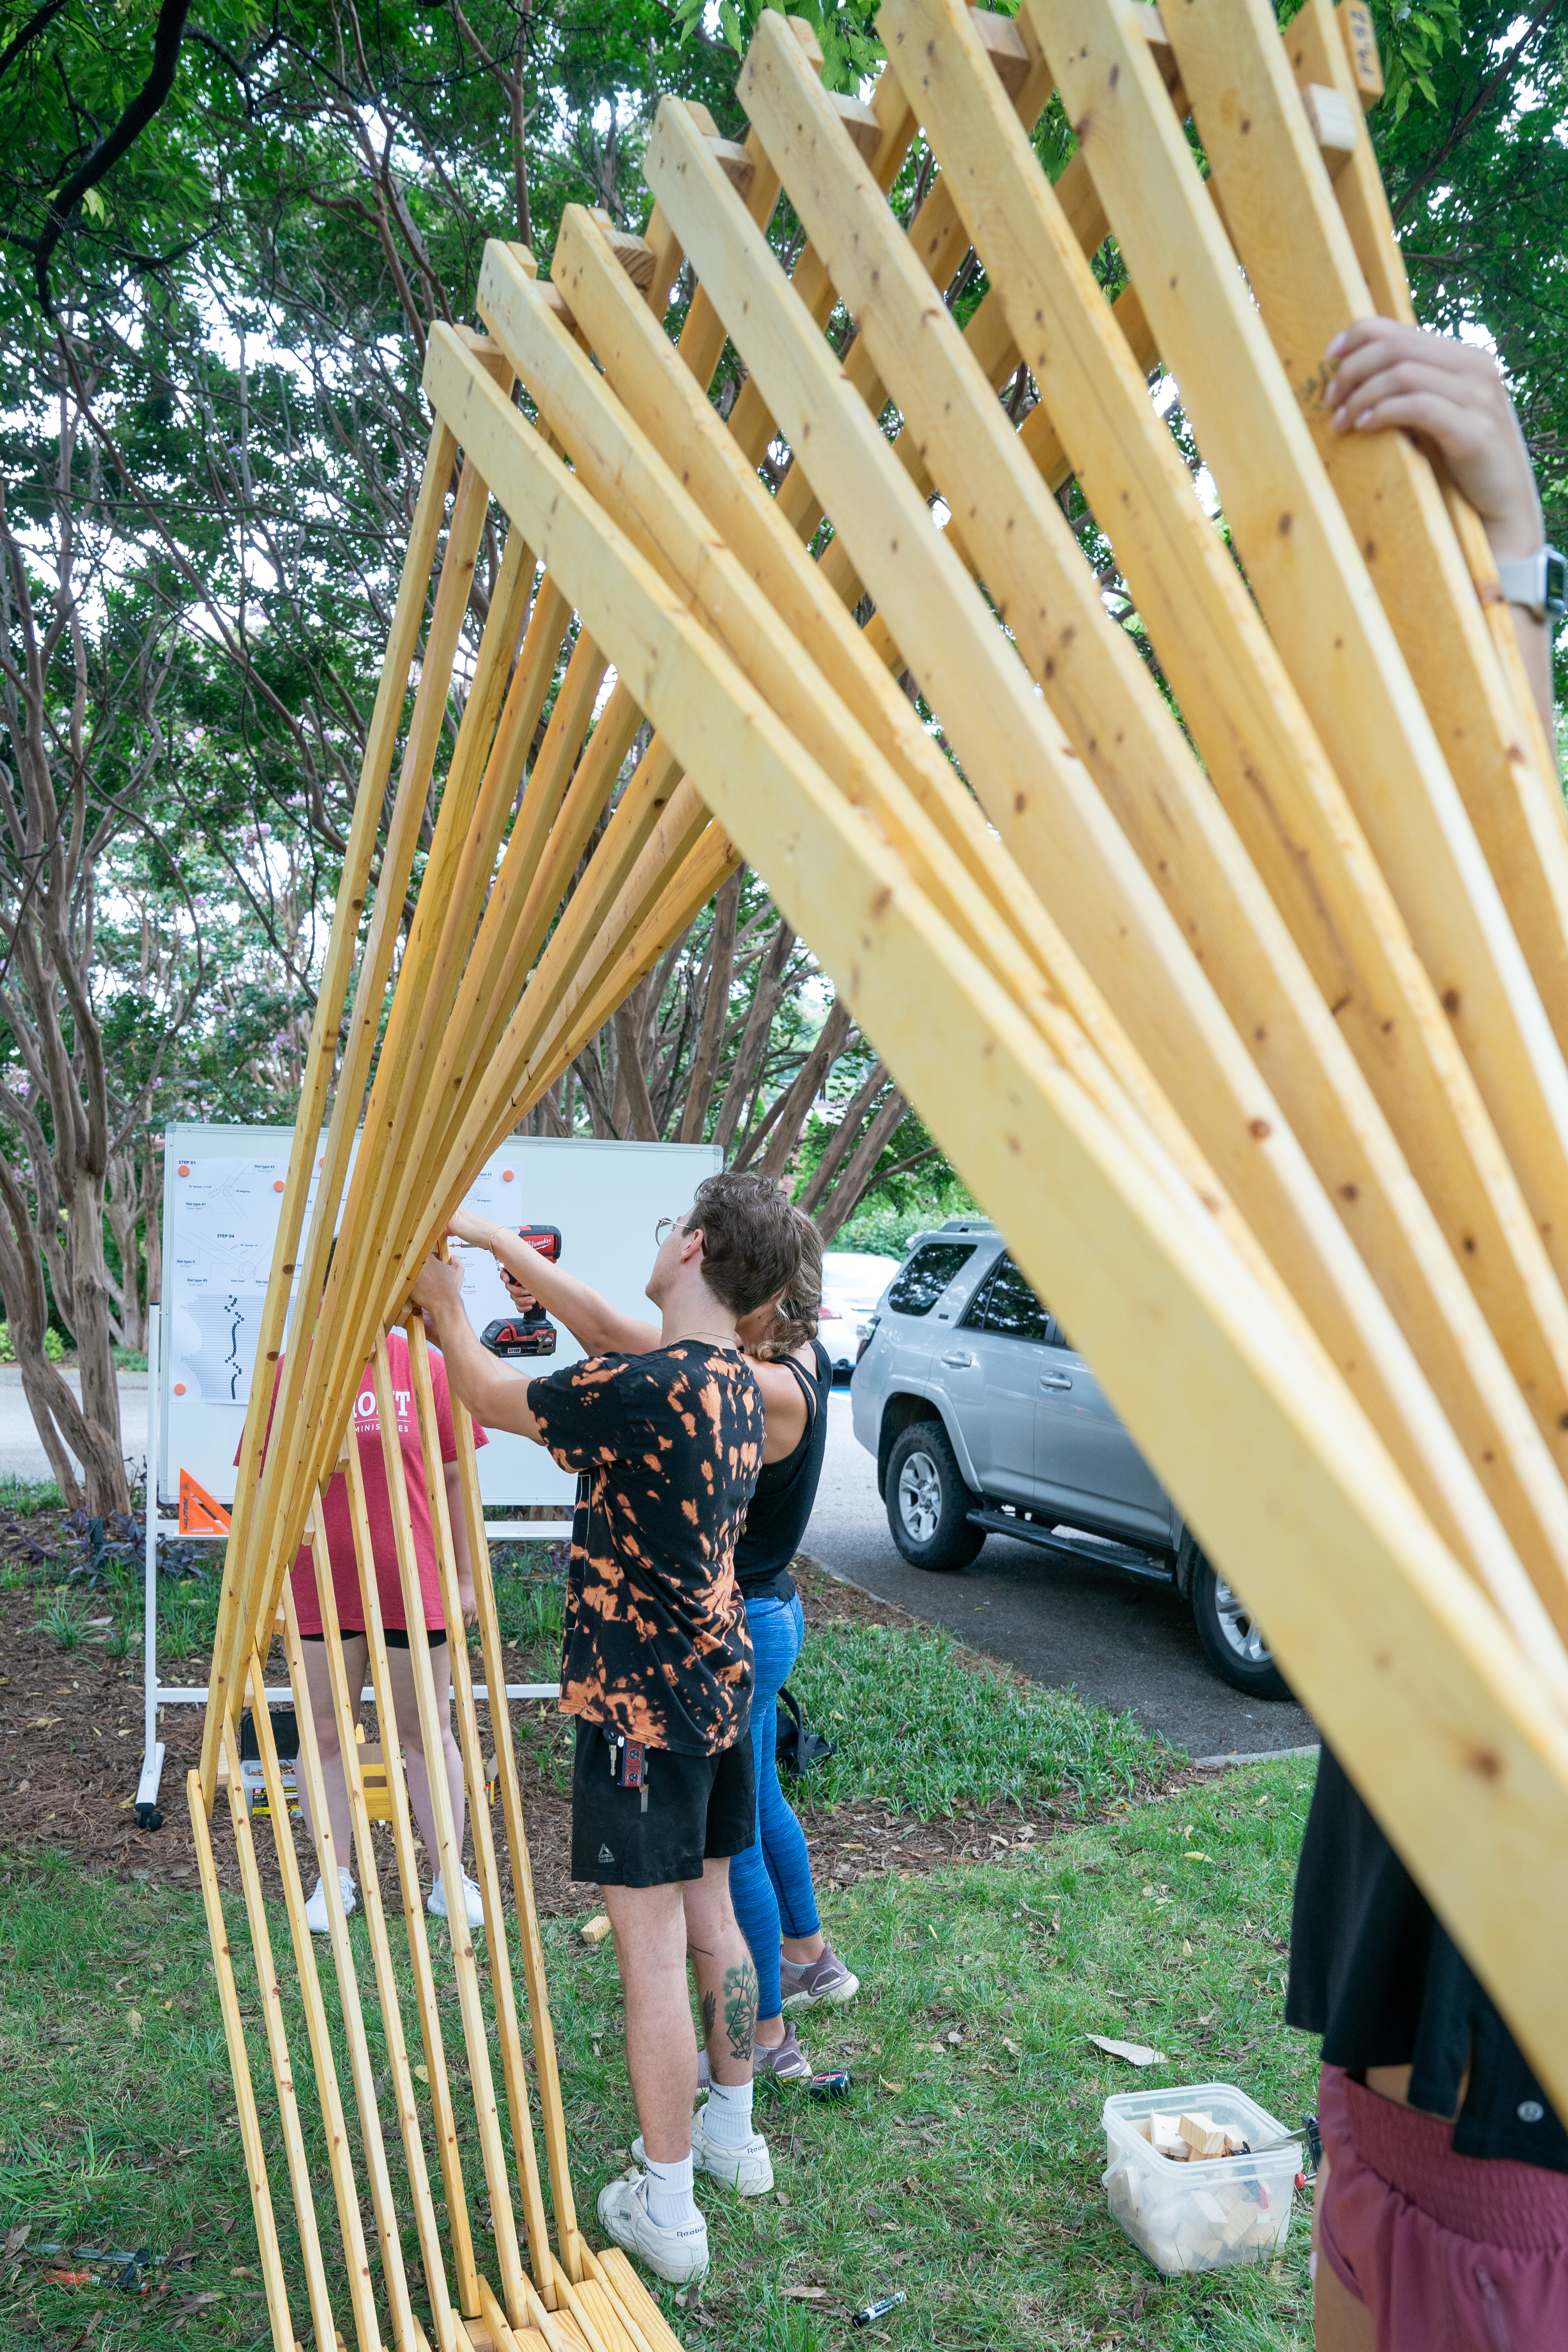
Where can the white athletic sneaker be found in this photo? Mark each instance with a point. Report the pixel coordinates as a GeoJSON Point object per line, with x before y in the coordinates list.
{"type": "Point", "coordinates": [436, 1905]}
{"type": "Point", "coordinates": [678, 2255]}
{"type": "Point", "coordinates": [749, 2170]}
{"type": "Point", "coordinates": [316, 1908]}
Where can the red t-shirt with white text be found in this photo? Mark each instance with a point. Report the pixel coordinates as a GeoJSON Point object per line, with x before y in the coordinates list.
{"type": "Point", "coordinates": [378, 1504]}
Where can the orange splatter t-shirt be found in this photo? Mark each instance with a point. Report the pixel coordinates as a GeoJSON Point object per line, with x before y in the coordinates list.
{"type": "Point", "coordinates": [654, 1638]}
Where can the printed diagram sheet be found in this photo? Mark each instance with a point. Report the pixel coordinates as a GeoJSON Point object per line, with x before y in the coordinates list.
{"type": "Point", "coordinates": [222, 1197]}
{"type": "Point", "coordinates": [217, 1275]}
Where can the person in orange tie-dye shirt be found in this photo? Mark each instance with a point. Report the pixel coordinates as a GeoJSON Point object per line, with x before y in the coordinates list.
{"type": "Point", "coordinates": [656, 1667]}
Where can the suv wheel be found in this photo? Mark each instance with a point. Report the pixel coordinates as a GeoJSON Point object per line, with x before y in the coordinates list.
{"type": "Point", "coordinates": [927, 1502]}
{"type": "Point", "coordinates": [1231, 1637]}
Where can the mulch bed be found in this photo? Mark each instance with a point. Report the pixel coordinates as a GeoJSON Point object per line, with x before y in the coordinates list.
{"type": "Point", "coordinates": [70, 1721]}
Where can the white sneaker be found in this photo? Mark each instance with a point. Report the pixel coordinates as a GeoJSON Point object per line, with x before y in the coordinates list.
{"type": "Point", "coordinates": [316, 1908]}
{"type": "Point", "coordinates": [678, 2256]}
{"type": "Point", "coordinates": [748, 2168]}
{"type": "Point", "coordinates": [473, 1899]}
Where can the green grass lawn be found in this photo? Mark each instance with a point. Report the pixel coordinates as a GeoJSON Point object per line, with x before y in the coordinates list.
{"type": "Point", "coordinates": [964, 2169]}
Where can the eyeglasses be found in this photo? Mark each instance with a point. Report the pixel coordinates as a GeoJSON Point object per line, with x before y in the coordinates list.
{"type": "Point", "coordinates": [664, 1228]}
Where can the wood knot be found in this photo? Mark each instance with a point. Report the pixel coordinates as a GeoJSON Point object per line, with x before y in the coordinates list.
{"type": "Point", "coordinates": [1259, 1130]}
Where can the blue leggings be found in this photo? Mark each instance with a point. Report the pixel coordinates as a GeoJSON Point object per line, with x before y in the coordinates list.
{"type": "Point", "coordinates": [770, 1884]}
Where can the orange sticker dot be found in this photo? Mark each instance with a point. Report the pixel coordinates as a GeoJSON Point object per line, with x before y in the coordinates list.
{"type": "Point", "coordinates": [278, 1184]}
{"type": "Point", "coordinates": [506, 1175]}
{"type": "Point", "coordinates": [183, 1170]}
{"type": "Point", "coordinates": [179, 1385]}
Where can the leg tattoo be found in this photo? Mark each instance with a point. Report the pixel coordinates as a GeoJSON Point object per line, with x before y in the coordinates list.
{"type": "Point", "coordinates": [709, 2013]}
{"type": "Point", "coordinates": [741, 2008]}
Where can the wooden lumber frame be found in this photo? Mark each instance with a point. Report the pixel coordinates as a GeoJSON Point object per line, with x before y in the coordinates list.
{"type": "Point", "coordinates": [1249, 1061]}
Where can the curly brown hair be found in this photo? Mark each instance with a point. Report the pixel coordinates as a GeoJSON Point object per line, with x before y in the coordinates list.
{"type": "Point", "coordinates": [750, 1238]}
{"type": "Point", "coordinates": [795, 1320]}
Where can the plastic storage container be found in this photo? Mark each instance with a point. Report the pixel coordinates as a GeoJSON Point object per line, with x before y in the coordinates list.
{"type": "Point", "coordinates": [1213, 2212]}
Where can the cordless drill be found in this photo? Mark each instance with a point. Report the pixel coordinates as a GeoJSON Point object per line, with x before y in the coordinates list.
{"type": "Point", "coordinates": [531, 1333]}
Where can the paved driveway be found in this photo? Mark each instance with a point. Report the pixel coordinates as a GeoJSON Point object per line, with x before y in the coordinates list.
{"type": "Point", "coordinates": [1115, 1638]}
{"type": "Point", "coordinates": [22, 1456]}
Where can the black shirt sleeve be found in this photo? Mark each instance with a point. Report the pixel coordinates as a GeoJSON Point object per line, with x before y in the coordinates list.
{"type": "Point", "coordinates": [1375, 1973]}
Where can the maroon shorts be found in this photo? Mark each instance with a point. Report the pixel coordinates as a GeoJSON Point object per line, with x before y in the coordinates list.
{"type": "Point", "coordinates": [1449, 2254]}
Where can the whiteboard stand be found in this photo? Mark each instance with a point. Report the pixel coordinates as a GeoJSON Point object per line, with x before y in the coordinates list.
{"type": "Point", "coordinates": [155, 1694]}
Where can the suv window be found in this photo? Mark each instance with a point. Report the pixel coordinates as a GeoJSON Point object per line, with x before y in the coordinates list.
{"type": "Point", "coordinates": [1008, 1307]}
{"type": "Point", "coordinates": [927, 1276]}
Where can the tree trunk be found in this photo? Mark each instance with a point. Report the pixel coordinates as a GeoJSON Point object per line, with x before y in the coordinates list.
{"type": "Point", "coordinates": [856, 1181]}
{"type": "Point", "coordinates": [795, 1107]}
{"type": "Point", "coordinates": [841, 1141]}
{"type": "Point", "coordinates": [631, 1087]}
{"type": "Point", "coordinates": [715, 1010]}
{"type": "Point", "coordinates": [152, 1229]}
{"type": "Point", "coordinates": [753, 1043]}
{"type": "Point", "coordinates": [107, 1488]}
{"type": "Point", "coordinates": [56, 1416]}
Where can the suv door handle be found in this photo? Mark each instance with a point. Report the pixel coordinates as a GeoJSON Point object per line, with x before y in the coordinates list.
{"type": "Point", "coordinates": [959, 1363]}
{"type": "Point", "coordinates": [1055, 1380]}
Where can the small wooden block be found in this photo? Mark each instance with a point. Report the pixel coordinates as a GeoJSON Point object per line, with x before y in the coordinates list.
{"type": "Point", "coordinates": [551, 298]}
{"type": "Point", "coordinates": [1203, 2135]}
{"type": "Point", "coordinates": [860, 123]}
{"type": "Point", "coordinates": [523, 257]}
{"type": "Point", "coordinates": [736, 165]}
{"type": "Point", "coordinates": [1335, 124]}
{"type": "Point", "coordinates": [634, 254]}
{"type": "Point", "coordinates": [1004, 46]}
{"type": "Point", "coordinates": [1360, 48]}
{"type": "Point", "coordinates": [801, 29]}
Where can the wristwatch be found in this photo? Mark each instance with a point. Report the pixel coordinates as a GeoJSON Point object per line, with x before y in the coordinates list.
{"type": "Point", "coordinates": [1538, 581]}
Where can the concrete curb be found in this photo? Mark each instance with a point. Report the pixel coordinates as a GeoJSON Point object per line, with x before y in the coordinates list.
{"type": "Point", "coordinates": [1256, 1756]}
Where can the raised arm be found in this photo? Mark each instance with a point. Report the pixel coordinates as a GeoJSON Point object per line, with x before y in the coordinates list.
{"type": "Point", "coordinates": [493, 1392]}
{"type": "Point", "coordinates": [1389, 375]}
{"type": "Point", "coordinates": [599, 1329]}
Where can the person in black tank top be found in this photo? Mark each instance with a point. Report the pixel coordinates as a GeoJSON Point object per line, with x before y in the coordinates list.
{"type": "Point", "coordinates": [770, 1884]}
{"type": "Point", "coordinates": [771, 1888]}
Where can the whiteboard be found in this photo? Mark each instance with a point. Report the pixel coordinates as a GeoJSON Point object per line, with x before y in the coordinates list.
{"type": "Point", "coordinates": [223, 1195]}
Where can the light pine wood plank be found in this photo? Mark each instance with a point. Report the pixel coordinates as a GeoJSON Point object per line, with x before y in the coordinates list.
{"type": "Point", "coordinates": [476, 2045]}
{"type": "Point", "coordinates": [1264, 764]}
{"type": "Point", "coordinates": [1304, 272]}
{"type": "Point", "coordinates": [1313, 586]}
{"type": "Point", "coordinates": [1035, 787]}
{"type": "Point", "coordinates": [250, 2139]}
{"type": "Point", "coordinates": [1434, 1708]}
{"type": "Point", "coordinates": [271, 1994]}
{"type": "Point", "coordinates": [229, 1643]}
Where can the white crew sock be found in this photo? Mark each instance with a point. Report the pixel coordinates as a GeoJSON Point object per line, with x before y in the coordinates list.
{"type": "Point", "coordinates": [727, 2117]}
{"type": "Point", "coordinates": [669, 2199]}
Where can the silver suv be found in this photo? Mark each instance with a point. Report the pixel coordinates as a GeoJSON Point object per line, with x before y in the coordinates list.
{"type": "Point", "coordinates": [984, 1420]}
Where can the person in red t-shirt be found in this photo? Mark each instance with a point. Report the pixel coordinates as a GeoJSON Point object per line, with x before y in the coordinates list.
{"type": "Point", "coordinates": [395, 1622]}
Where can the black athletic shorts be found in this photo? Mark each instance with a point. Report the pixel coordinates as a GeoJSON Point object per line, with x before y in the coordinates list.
{"type": "Point", "coordinates": [393, 1635]}
{"type": "Point", "coordinates": [700, 1808]}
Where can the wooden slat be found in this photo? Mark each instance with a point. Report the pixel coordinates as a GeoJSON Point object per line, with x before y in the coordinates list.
{"type": "Point", "coordinates": [468, 1734]}
{"type": "Point", "coordinates": [394, 2278]}
{"type": "Point", "coordinates": [1033, 787]}
{"type": "Point", "coordinates": [388, 2000]}
{"type": "Point", "coordinates": [443, 2114]}
{"type": "Point", "coordinates": [1405, 1666]}
{"type": "Point", "coordinates": [1314, 589]}
{"type": "Point", "coordinates": [636, 2300]}
{"type": "Point", "coordinates": [547, 2073]}
{"type": "Point", "coordinates": [1304, 273]}
{"type": "Point", "coordinates": [352, 2252]}
{"type": "Point", "coordinates": [239, 2070]}
{"type": "Point", "coordinates": [380, 740]}
{"type": "Point", "coordinates": [270, 1522]}
{"type": "Point", "coordinates": [432, 1729]}
{"type": "Point", "coordinates": [269, 1992]}
{"type": "Point", "coordinates": [1263, 759]}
